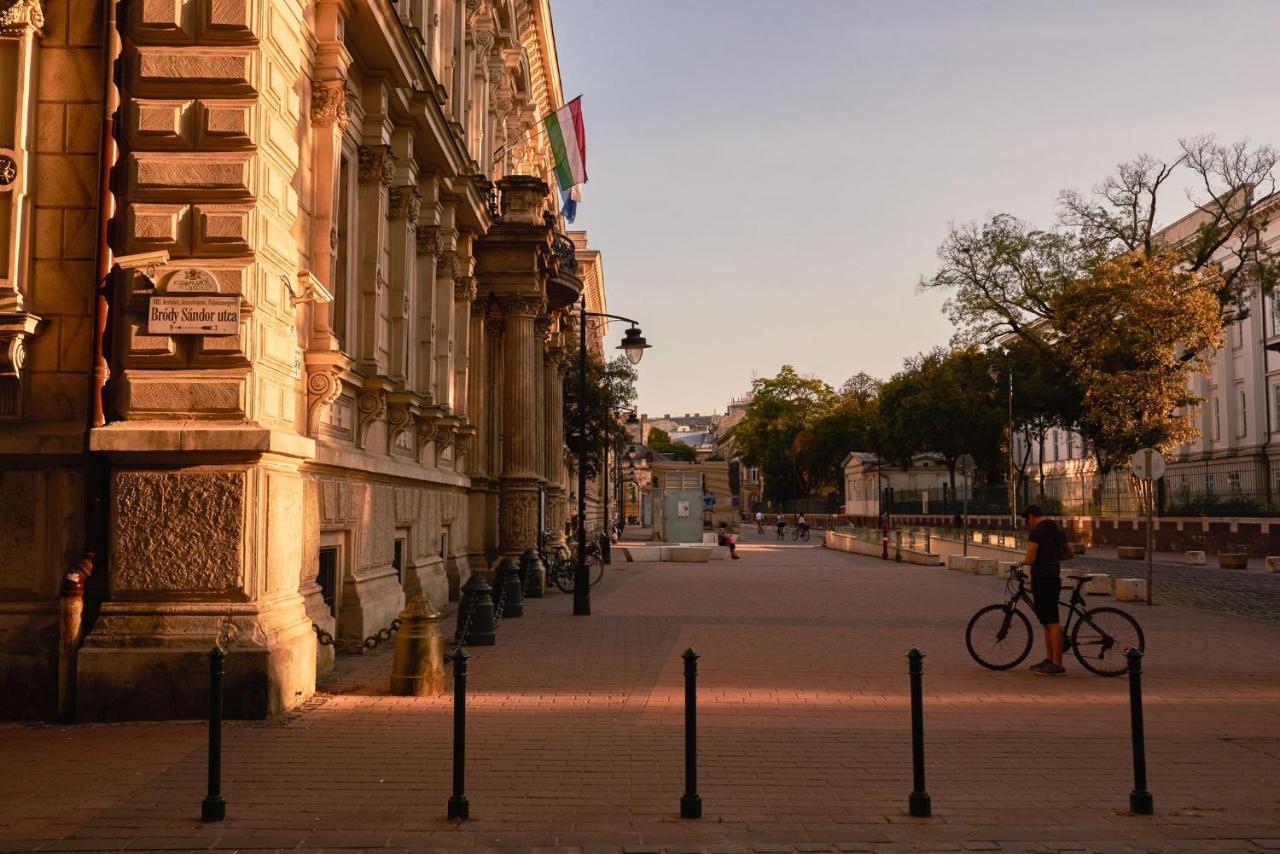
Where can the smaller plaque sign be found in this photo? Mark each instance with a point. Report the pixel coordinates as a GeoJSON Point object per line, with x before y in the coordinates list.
{"type": "Point", "coordinates": [202, 315]}
{"type": "Point", "coordinates": [192, 280]}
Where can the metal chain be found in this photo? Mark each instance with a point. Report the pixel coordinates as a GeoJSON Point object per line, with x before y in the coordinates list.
{"type": "Point", "coordinates": [500, 603]}
{"type": "Point", "coordinates": [464, 627]}
{"type": "Point", "coordinates": [355, 647]}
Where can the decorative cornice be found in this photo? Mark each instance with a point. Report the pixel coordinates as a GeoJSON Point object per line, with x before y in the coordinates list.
{"type": "Point", "coordinates": [18, 17]}
{"type": "Point", "coordinates": [377, 163]}
{"type": "Point", "coordinates": [399, 419]}
{"type": "Point", "coordinates": [447, 264]}
{"type": "Point", "coordinates": [425, 431]}
{"type": "Point", "coordinates": [523, 305]}
{"type": "Point", "coordinates": [328, 103]}
{"type": "Point", "coordinates": [430, 240]}
{"type": "Point", "coordinates": [464, 288]}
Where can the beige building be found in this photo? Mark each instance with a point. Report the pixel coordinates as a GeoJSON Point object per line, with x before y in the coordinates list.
{"type": "Point", "coordinates": [281, 339]}
{"type": "Point", "coordinates": [871, 486]}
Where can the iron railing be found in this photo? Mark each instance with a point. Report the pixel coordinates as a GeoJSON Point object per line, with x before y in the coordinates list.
{"type": "Point", "coordinates": [565, 253]}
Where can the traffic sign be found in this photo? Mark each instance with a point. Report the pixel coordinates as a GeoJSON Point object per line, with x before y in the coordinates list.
{"type": "Point", "coordinates": [1148, 464]}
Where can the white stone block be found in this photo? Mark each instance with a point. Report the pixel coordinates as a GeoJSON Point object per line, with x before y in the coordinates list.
{"type": "Point", "coordinates": [1006, 568]}
{"type": "Point", "coordinates": [690, 554]}
{"type": "Point", "coordinates": [982, 565]}
{"type": "Point", "coordinates": [1272, 564]}
{"type": "Point", "coordinates": [643, 554]}
{"type": "Point", "coordinates": [719, 553]}
{"type": "Point", "coordinates": [1196, 559]}
{"type": "Point", "coordinates": [1099, 584]}
{"type": "Point", "coordinates": [709, 537]}
{"type": "Point", "coordinates": [956, 562]}
{"type": "Point", "coordinates": [1131, 590]}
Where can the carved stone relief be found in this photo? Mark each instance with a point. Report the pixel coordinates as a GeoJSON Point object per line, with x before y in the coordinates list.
{"type": "Point", "coordinates": [377, 163]}
{"type": "Point", "coordinates": [371, 405]}
{"type": "Point", "coordinates": [328, 103]}
{"type": "Point", "coordinates": [19, 16]}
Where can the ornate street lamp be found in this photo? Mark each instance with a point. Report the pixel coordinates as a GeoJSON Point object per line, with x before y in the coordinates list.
{"type": "Point", "coordinates": [634, 345]}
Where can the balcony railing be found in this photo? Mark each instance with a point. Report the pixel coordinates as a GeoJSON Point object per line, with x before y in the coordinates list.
{"type": "Point", "coordinates": [565, 253]}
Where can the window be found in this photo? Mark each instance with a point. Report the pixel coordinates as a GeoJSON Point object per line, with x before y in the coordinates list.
{"type": "Point", "coordinates": [1243, 429]}
{"type": "Point", "coordinates": [397, 559]}
{"type": "Point", "coordinates": [1217, 419]}
{"type": "Point", "coordinates": [341, 228]}
{"type": "Point", "coordinates": [327, 577]}
{"type": "Point", "coordinates": [1237, 334]}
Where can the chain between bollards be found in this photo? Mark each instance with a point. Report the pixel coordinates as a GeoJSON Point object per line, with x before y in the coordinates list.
{"type": "Point", "coordinates": [459, 808]}
{"type": "Point", "coordinates": [690, 801]}
{"type": "Point", "coordinates": [918, 802]}
{"type": "Point", "coordinates": [1140, 801]}
{"type": "Point", "coordinates": [214, 807]}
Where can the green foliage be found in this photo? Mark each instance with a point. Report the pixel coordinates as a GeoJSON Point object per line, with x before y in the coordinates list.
{"type": "Point", "coordinates": [610, 386]}
{"type": "Point", "coordinates": [944, 402]}
{"type": "Point", "coordinates": [660, 441]}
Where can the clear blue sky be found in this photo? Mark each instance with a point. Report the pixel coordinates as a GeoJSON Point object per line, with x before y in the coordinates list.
{"type": "Point", "coordinates": [770, 180]}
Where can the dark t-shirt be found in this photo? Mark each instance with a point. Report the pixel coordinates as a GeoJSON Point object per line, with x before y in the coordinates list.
{"type": "Point", "coordinates": [1049, 541]}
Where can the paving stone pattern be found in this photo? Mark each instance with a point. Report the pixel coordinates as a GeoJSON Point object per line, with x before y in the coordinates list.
{"type": "Point", "coordinates": [1248, 593]}
{"type": "Point", "coordinates": [575, 734]}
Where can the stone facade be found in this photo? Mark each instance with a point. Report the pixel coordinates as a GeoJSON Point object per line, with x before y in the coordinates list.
{"type": "Point", "coordinates": [385, 414]}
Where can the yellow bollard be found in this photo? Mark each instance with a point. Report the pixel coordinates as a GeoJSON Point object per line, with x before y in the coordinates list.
{"type": "Point", "coordinates": [418, 668]}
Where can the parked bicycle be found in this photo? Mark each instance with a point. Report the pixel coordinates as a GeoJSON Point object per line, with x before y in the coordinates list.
{"type": "Point", "coordinates": [999, 636]}
{"type": "Point", "coordinates": [560, 562]}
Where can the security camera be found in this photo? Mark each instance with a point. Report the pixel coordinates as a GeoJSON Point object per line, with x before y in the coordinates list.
{"type": "Point", "coordinates": [147, 261]}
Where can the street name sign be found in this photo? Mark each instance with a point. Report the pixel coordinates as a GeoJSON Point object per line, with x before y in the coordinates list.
{"type": "Point", "coordinates": [194, 315]}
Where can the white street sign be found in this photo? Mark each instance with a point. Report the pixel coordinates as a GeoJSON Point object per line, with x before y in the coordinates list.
{"type": "Point", "coordinates": [202, 315]}
{"type": "Point", "coordinates": [1148, 464]}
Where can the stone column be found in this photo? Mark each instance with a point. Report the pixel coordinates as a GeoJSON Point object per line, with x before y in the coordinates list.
{"type": "Point", "coordinates": [478, 412]}
{"type": "Point", "coordinates": [447, 267]}
{"type": "Point", "coordinates": [521, 456]}
{"type": "Point", "coordinates": [464, 293]}
{"type": "Point", "coordinates": [494, 326]}
{"type": "Point", "coordinates": [553, 369]}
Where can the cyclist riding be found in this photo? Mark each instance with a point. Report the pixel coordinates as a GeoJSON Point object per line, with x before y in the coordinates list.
{"type": "Point", "coordinates": [801, 523]}
{"type": "Point", "coordinates": [782, 527]}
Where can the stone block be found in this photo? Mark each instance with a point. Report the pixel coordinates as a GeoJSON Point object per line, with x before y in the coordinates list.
{"type": "Point", "coordinates": [1233, 560]}
{"type": "Point", "coordinates": [57, 397]}
{"type": "Point", "coordinates": [162, 70]}
{"type": "Point", "coordinates": [1099, 584]}
{"type": "Point", "coordinates": [50, 119]}
{"type": "Point", "coordinates": [70, 74]}
{"type": "Point", "coordinates": [79, 233]}
{"type": "Point", "coordinates": [151, 227]}
{"type": "Point", "coordinates": [689, 554]}
{"type": "Point", "coordinates": [1272, 564]}
{"type": "Point", "coordinates": [84, 23]}
{"type": "Point", "coordinates": [84, 128]}
{"type": "Point", "coordinates": [1196, 559]}
{"type": "Point", "coordinates": [223, 229]}
{"type": "Point", "coordinates": [204, 176]}
{"type": "Point", "coordinates": [65, 180]}
{"type": "Point", "coordinates": [161, 21]}
{"type": "Point", "coordinates": [642, 554]}
{"type": "Point", "coordinates": [709, 537]}
{"type": "Point", "coordinates": [159, 124]}
{"type": "Point", "coordinates": [1131, 552]}
{"type": "Point", "coordinates": [956, 561]}
{"type": "Point", "coordinates": [1131, 590]}
{"type": "Point", "coordinates": [225, 124]}
{"type": "Point", "coordinates": [62, 287]}
{"type": "Point", "coordinates": [982, 565]}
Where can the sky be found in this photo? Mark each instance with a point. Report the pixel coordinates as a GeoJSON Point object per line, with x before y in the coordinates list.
{"type": "Point", "coordinates": [770, 179]}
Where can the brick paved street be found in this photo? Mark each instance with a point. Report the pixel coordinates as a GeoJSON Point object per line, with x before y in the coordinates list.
{"type": "Point", "coordinates": [575, 734]}
{"type": "Point", "coordinates": [1251, 593]}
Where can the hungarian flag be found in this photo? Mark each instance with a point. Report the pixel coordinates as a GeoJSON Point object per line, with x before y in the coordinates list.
{"type": "Point", "coordinates": [569, 144]}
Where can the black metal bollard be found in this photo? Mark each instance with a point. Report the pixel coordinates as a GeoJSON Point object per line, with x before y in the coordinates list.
{"type": "Point", "coordinates": [606, 549]}
{"type": "Point", "coordinates": [506, 584]}
{"type": "Point", "coordinates": [476, 625]}
{"type": "Point", "coordinates": [918, 802]}
{"type": "Point", "coordinates": [1140, 801]}
{"type": "Point", "coordinates": [214, 808]}
{"type": "Point", "coordinates": [531, 574]}
{"type": "Point", "coordinates": [458, 806]}
{"type": "Point", "coordinates": [690, 801]}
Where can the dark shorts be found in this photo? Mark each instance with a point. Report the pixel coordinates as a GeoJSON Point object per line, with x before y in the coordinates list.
{"type": "Point", "coordinates": [1044, 594]}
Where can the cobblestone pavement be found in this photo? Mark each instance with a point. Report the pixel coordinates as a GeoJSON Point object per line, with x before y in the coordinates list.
{"type": "Point", "coordinates": [1246, 593]}
{"type": "Point", "coordinates": [575, 723]}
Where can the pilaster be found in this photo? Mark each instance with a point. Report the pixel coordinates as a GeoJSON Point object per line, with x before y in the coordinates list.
{"type": "Point", "coordinates": [521, 456]}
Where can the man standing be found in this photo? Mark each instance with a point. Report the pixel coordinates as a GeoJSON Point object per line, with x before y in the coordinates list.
{"type": "Point", "coordinates": [1045, 546]}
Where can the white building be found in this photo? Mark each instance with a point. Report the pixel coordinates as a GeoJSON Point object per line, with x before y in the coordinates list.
{"type": "Point", "coordinates": [926, 483]}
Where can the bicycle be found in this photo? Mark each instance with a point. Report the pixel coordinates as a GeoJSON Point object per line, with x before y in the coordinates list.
{"type": "Point", "coordinates": [1099, 637]}
{"type": "Point", "coordinates": [560, 563]}
{"type": "Point", "coordinates": [801, 533]}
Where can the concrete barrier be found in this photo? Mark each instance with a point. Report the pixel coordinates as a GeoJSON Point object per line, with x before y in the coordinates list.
{"type": "Point", "coordinates": [1131, 552]}
{"type": "Point", "coordinates": [982, 565]}
{"type": "Point", "coordinates": [642, 554]}
{"type": "Point", "coordinates": [1099, 584]}
{"type": "Point", "coordinates": [1272, 564]}
{"type": "Point", "coordinates": [1131, 590]}
{"type": "Point", "coordinates": [709, 537]}
{"type": "Point", "coordinates": [1196, 559]}
{"type": "Point", "coordinates": [1233, 560]}
{"type": "Point", "coordinates": [688, 554]}
{"type": "Point", "coordinates": [957, 561]}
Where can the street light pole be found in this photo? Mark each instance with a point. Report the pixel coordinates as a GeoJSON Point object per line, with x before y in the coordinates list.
{"type": "Point", "coordinates": [634, 345]}
{"type": "Point", "coordinates": [1013, 486]}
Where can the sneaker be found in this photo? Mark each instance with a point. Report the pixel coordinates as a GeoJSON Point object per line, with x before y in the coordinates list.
{"type": "Point", "coordinates": [1050, 669]}
{"type": "Point", "coordinates": [1041, 665]}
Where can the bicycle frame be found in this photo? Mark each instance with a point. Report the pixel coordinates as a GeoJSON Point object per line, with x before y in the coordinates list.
{"type": "Point", "coordinates": [1074, 605]}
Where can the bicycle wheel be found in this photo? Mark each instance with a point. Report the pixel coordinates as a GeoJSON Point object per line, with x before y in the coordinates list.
{"type": "Point", "coordinates": [998, 637]}
{"type": "Point", "coordinates": [595, 567]}
{"type": "Point", "coordinates": [1101, 638]}
{"type": "Point", "coordinates": [804, 535]}
{"type": "Point", "coordinates": [563, 573]}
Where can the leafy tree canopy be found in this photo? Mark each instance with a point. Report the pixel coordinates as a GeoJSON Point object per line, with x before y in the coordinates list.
{"type": "Point", "coordinates": [611, 386]}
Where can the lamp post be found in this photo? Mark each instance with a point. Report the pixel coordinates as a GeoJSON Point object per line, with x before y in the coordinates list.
{"type": "Point", "coordinates": [1013, 489]}
{"type": "Point", "coordinates": [634, 345]}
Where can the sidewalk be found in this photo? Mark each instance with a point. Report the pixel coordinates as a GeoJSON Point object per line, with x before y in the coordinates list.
{"type": "Point", "coordinates": [575, 728]}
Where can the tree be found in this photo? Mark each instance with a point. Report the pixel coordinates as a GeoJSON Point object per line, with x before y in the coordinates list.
{"type": "Point", "coordinates": [769, 434]}
{"type": "Point", "coordinates": [1138, 329]}
{"type": "Point", "coordinates": [846, 426]}
{"type": "Point", "coordinates": [660, 442]}
{"type": "Point", "coordinates": [610, 386]}
{"type": "Point", "coordinates": [941, 402]}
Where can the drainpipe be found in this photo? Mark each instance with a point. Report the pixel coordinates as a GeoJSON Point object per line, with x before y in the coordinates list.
{"type": "Point", "coordinates": [71, 592]}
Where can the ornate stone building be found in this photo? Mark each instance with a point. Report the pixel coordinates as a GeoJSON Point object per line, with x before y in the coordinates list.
{"type": "Point", "coordinates": [283, 316]}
